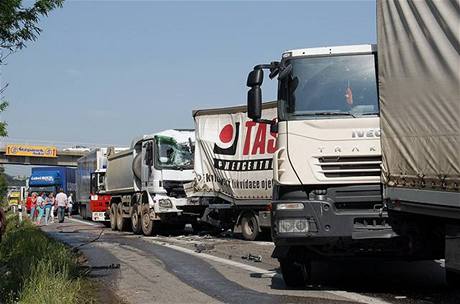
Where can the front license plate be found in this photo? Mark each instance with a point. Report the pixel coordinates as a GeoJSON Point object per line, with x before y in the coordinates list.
{"type": "Point", "coordinates": [98, 216]}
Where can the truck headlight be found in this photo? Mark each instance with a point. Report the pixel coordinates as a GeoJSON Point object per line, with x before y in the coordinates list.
{"type": "Point", "coordinates": [293, 225]}
{"type": "Point", "coordinates": [289, 206]}
{"type": "Point", "coordinates": [165, 203]}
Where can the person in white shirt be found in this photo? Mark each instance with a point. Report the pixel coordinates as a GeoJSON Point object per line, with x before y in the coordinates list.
{"type": "Point", "coordinates": [61, 202]}
{"type": "Point", "coordinates": [69, 204]}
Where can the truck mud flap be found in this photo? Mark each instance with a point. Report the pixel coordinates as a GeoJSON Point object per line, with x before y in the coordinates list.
{"type": "Point", "coordinates": [453, 248]}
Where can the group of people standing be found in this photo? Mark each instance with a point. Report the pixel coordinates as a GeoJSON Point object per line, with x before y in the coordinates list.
{"type": "Point", "coordinates": [44, 205]}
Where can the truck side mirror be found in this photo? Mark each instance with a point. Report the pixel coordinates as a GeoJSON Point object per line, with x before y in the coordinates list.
{"type": "Point", "coordinates": [255, 80]}
{"type": "Point", "coordinates": [255, 103]}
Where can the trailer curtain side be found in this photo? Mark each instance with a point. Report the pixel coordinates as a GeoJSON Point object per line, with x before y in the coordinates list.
{"type": "Point", "coordinates": [419, 88]}
{"type": "Point", "coordinates": [233, 155]}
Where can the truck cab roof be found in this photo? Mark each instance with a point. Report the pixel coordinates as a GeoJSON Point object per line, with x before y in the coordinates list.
{"type": "Point", "coordinates": [180, 135]}
{"type": "Point", "coordinates": [332, 50]}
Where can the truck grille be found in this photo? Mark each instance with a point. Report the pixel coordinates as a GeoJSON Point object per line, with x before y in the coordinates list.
{"type": "Point", "coordinates": [350, 166]}
{"type": "Point", "coordinates": [175, 188]}
{"type": "Point", "coordinates": [362, 197]}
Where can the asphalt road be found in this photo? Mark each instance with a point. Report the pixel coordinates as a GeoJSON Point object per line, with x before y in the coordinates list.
{"type": "Point", "coordinates": [185, 268]}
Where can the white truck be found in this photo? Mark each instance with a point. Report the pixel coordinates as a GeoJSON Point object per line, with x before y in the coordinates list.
{"type": "Point", "coordinates": [91, 200]}
{"type": "Point", "coordinates": [327, 195]}
{"type": "Point", "coordinates": [419, 90]}
{"type": "Point", "coordinates": [233, 169]}
{"type": "Point", "coordinates": [146, 182]}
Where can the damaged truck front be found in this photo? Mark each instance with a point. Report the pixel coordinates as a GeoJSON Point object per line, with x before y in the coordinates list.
{"type": "Point", "coordinates": [146, 182]}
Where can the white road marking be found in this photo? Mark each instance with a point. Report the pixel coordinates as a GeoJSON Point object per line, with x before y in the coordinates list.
{"type": "Point", "coordinates": [214, 258]}
{"type": "Point", "coordinates": [84, 222]}
{"type": "Point", "coordinates": [262, 243]}
{"type": "Point", "coordinates": [264, 273]}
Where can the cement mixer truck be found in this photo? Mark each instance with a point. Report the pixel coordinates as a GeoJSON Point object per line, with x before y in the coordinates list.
{"type": "Point", "coordinates": [146, 182]}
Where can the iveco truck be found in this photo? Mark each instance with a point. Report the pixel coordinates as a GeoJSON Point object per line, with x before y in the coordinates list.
{"type": "Point", "coordinates": [327, 195]}
{"type": "Point", "coordinates": [146, 182]}
{"type": "Point", "coordinates": [419, 90]}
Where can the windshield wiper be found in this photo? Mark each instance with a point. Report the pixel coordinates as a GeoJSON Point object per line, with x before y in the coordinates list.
{"type": "Point", "coordinates": [368, 113]}
{"type": "Point", "coordinates": [324, 114]}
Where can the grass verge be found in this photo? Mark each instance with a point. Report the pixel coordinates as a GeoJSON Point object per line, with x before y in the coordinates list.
{"type": "Point", "coordinates": [37, 269]}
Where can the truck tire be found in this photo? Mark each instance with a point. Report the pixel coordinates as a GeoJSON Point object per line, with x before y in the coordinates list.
{"type": "Point", "coordinates": [136, 220]}
{"type": "Point", "coordinates": [147, 223]}
{"type": "Point", "coordinates": [249, 227]}
{"type": "Point", "coordinates": [113, 217]}
{"type": "Point", "coordinates": [295, 274]}
{"type": "Point", "coordinates": [453, 279]}
{"type": "Point", "coordinates": [121, 221]}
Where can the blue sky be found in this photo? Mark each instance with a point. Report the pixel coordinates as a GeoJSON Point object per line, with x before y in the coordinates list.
{"type": "Point", "coordinates": [107, 71]}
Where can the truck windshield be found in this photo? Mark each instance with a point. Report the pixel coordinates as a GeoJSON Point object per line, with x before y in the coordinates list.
{"type": "Point", "coordinates": [173, 155]}
{"type": "Point", "coordinates": [331, 87]}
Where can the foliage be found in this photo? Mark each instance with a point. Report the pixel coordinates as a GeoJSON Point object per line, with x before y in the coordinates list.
{"type": "Point", "coordinates": [18, 23]}
{"type": "Point", "coordinates": [3, 125]}
{"type": "Point", "coordinates": [35, 268]}
{"type": "Point", "coordinates": [3, 187]}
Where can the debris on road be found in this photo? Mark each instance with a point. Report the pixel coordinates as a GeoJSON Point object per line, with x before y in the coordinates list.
{"type": "Point", "coordinates": [111, 266]}
{"type": "Point", "coordinates": [203, 247]}
{"type": "Point", "coordinates": [251, 257]}
{"type": "Point", "coordinates": [227, 233]}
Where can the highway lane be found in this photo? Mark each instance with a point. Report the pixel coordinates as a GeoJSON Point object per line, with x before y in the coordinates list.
{"type": "Point", "coordinates": [204, 269]}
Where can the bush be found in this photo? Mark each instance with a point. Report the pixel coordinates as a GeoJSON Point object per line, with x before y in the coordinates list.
{"type": "Point", "coordinates": [36, 268]}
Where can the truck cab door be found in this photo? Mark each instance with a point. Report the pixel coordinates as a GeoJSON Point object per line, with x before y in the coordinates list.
{"type": "Point", "coordinates": [147, 163]}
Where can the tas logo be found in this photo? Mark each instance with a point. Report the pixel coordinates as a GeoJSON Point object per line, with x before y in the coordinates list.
{"type": "Point", "coordinates": [259, 144]}
{"type": "Point", "coordinates": [226, 136]}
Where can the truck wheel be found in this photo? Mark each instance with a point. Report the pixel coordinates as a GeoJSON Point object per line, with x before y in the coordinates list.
{"type": "Point", "coordinates": [453, 278]}
{"type": "Point", "coordinates": [249, 227]}
{"type": "Point", "coordinates": [136, 221]}
{"type": "Point", "coordinates": [113, 217]}
{"type": "Point", "coordinates": [147, 223]}
{"type": "Point", "coordinates": [121, 221]}
{"type": "Point", "coordinates": [295, 274]}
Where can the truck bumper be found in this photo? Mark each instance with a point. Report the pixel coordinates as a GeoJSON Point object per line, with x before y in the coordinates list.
{"type": "Point", "coordinates": [324, 221]}
{"type": "Point", "coordinates": [342, 221]}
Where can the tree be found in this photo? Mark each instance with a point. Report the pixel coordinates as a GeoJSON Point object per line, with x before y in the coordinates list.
{"type": "Point", "coordinates": [19, 24]}
{"type": "Point", "coordinates": [3, 186]}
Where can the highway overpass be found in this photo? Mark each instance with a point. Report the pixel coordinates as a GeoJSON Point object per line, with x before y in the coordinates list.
{"type": "Point", "coordinates": [41, 153]}
{"type": "Point", "coordinates": [63, 158]}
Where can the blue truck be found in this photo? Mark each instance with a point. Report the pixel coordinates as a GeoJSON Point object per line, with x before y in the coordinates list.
{"type": "Point", "coordinates": [51, 179]}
